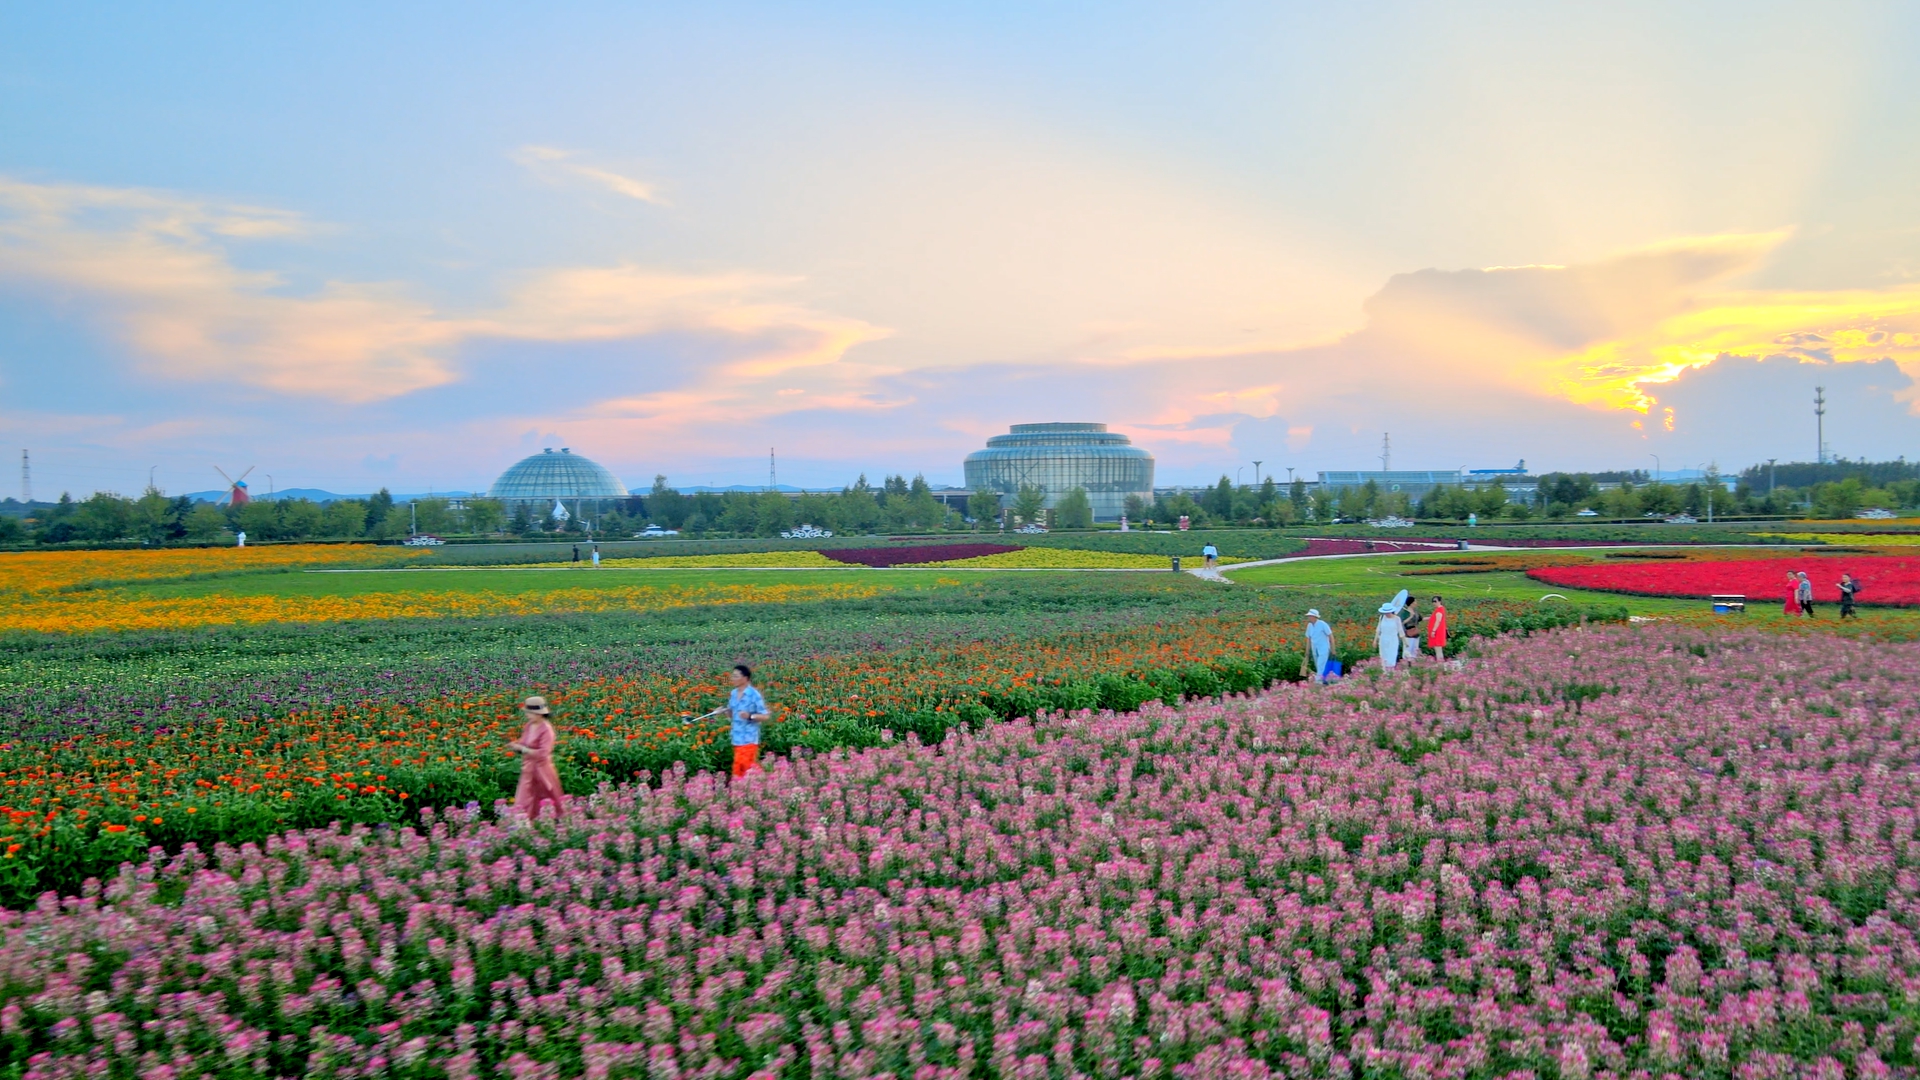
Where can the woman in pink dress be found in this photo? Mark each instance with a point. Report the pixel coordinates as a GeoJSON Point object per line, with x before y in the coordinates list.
{"type": "Point", "coordinates": [1793, 595]}
{"type": "Point", "coordinates": [539, 780]}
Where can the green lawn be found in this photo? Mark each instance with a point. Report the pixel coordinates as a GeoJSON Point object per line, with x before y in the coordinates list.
{"type": "Point", "coordinates": [1382, 576]}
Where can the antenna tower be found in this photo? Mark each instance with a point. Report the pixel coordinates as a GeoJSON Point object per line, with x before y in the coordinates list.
{"type": "Point", "coordinates": [26, 478]}
{"type": "Point", "coordinates": [1386, 451]}
{"type": "Point", "coordinates": [770, 473]}
{"type": "Point", "coordinates": [1820, 424]}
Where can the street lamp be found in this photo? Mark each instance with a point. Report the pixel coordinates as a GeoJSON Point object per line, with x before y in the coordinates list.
{"type": "Point", "coordinates": [1656, 467]}
{"type": "Point", "coordinates": [1236, 474]}
{"type": "Point", "coordinates": [1712, 482]}
{"type": "Point", "coordinates": [269, 485]}
{"type": "Point", "coordinates": [150, 470]}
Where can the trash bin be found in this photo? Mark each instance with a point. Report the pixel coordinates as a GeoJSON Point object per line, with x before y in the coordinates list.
{"type": "Point", "coordinates": [1176, 564]}
{"type": "Point", "coordinates": [1462, 545]}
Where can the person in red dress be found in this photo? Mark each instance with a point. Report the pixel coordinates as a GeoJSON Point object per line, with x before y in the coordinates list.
{"type": "Point", "coordinates": [1437, 630]}
{"type": "Point", "coordinates": [1793, 596]}
{"type": "Point", "coordinates": [539, 780]}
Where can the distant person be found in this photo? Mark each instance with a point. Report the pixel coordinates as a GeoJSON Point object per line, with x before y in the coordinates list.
{"type": "Point", "coordinates": [1849, 589]}
{"type": "Point", "coordinates": [539, 780]}
{"type": "Point", "coordinates": [1806, 595]}
{"type": "Point", "coordinates": [1212, 555]}
{"type": "Point", "coordinates": [748, 710]}
{"type": "Point", "coordinates": [1319, 643]}
{"type": "Point", "coordinates": [596, 556]}
{"type": "Point", "coordinates": [1437, 630]}
{"type": "Point", "coordinates": [1792, 606]}
{"type": "Point", "coordinates": [576, 553]}
{"type": "Point", "coordinates": [1410, 631]}
{"type": "Point", "coordinates": [1388, 634]}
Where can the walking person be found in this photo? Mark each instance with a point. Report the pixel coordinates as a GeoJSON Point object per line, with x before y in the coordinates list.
{"type": "Point", "coordinates": [1792, 606]}
{"type": "Point", "coordinates": [596, 556]}
{"type": "Point", "coordinates": [1319, 643]}
{"type": "Point", "coordinates": [539, 780]}
{"type": "Point", "coordinates": [1410, 631]}
{"type": "Point", "coordinates": [1437, 630]}
{"type": "Point", "coordinates": [1211, 554]}
{"type": "Point", "coordinates": [576, 553]}
{"type": "Point", "coordinates": [1388, 633]}
{"type": "Point", "coordinates": [1849, 589]}
{"type": "Point", "coordinates": [1806, 595]}
{"type": "Point", "coordinates": [748, 710]}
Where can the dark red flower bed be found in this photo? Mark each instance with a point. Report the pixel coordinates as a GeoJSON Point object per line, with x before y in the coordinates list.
{"type": "Point", "coordinates": [1891, 580]}
{"type": "Point", "coordinates": [920, 553]}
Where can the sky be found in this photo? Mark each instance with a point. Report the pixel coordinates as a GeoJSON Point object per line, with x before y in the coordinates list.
{"type": "Point", "coordinates": [363, 245]}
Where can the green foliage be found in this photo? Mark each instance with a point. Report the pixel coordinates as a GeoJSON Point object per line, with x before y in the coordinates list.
{"type": "Point", "coordinates": [1074, 510]}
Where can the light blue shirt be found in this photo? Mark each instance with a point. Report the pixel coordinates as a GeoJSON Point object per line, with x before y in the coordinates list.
{"type": "Point", "coordinates": [1320, 636]}
{"type": "Point", "coordinates": [744, 702]}
{"type": "Point", "coordinates": [1210, 551]}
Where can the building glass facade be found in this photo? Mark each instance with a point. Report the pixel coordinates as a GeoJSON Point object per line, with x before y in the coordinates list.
{"type": "Point", "coordinates": [1060, 457]}
{"type": "Point", "coordinates": [550, 476]}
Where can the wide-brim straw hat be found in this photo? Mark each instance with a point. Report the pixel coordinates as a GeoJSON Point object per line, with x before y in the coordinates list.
{"type": "Point", "coordinates": [537, 705]}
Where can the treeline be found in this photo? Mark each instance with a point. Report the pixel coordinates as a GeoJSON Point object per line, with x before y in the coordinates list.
{"type": "Point", "coordinates": [155, 518]}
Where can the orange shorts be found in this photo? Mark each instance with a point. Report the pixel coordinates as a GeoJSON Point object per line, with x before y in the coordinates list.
{"type": "Point", "coordinates": [745, 759]}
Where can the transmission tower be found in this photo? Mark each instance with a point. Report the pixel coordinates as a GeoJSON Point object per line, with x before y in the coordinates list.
{"type": "Point", "coordinates": [26, 478]}
{"type": "Point", "coordinates": [1820, 424]}
{"type": "Point", "coordinates": [1386, 451]}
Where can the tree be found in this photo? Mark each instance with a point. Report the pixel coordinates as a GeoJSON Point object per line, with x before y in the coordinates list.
{"type": "Point", "coordinates": [1137, 509]}
{"type": "Point", "coordinates": [378, 508]}
{"type": "Point", "coordinates": [344, 517]}
{"type": "Point", "coordinates": [1297, 495]}
{"type": "Point", "coordinates": [1074, 510]}
{"type": "Point", "coordinates": [983, 506]}
{"type": "Point", "coordinates": [300, 518]}
{"type": "Point", "coordinates": [484, 515]}
{"type": "Point", "coordinates": [1028, 502]}
{"type": "Point", "coordinates": [205, 523]}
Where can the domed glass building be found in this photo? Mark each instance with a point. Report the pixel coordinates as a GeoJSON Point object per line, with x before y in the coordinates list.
{"type": "Point", "coordinates": [1060, 457]}
{"type": "Point", "coordinates": [550, 476]}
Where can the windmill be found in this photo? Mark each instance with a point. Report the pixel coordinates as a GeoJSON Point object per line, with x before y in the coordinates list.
{"type": "Point", "coordinates": [236, 489]}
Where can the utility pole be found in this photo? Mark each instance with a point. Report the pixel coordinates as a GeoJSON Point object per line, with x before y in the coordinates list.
{"type": "Point", "coordinates": [1820, 424]}
{"type": "Point", "coordinates": [770, 472]}
{"type": "Point", "coordinates": [26, 478]}
{"type": "Point", "coordinates": [1386, 451]}
{"type": "Point", "coordinates": [1770, 478]}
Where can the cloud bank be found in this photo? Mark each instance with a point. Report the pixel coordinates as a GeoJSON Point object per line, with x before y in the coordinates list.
{"type": "Point", "coordinates": [1589, 364]}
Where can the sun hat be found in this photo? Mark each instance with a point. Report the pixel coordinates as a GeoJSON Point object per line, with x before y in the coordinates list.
{"type": "Point", "coordinates": [1313, 612]}
{"type": "Point", "coordinates": [1389, 609]}
{"type": "Point", "coordinates": [536, 704]}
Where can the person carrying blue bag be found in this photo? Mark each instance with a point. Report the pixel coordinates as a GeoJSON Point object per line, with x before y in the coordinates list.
{"type": "Point", "coordinates": [1319, 643]}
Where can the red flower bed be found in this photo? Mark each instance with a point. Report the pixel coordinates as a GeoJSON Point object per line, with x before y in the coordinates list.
{"type": "Point", "coordinates": [920, 553]}
{"type": "Point", "coordinates": [1891, 580]}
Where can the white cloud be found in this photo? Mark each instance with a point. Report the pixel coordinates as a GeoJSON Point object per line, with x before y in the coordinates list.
{"type": "Point", "coordinates": [551, 164]}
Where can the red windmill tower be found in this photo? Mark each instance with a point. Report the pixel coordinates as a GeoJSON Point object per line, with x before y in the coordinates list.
{"type": "Point", "coordinates": [236, 489]}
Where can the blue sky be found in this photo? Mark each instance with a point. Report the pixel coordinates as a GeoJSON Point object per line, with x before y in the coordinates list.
{"type": "Point", "coordinates": [358, 246]}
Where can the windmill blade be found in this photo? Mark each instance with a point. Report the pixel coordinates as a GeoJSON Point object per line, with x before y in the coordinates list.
{"type": "Point", "coordinates": [249, 472]}
{"type": "Point", "coordinates": [223, 475]}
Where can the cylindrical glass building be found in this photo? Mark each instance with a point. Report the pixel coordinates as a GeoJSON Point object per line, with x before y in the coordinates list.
{"type": "Point", "coordinates": [549, 476]}
{"type": "Point", "coordinates": [1060, 457]}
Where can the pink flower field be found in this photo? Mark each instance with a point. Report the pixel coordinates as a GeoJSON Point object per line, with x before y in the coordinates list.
{"type": "Point", "coordinates": [1629, 852]}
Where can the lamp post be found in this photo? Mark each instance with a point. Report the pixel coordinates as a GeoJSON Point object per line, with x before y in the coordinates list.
{"type": "Point", "coordinates": [1656, 467]}
{"type": "Point", "coordinates": [1712, 482]}
{"type": "Point", "coordinates": [150, 470]}
{"type": "Point", "coordinates": [1236, 474]}
{"type": "Point", "coordinates": [1770, 478]}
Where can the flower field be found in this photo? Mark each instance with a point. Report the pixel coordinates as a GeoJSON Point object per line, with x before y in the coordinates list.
{"type": "Point", "coordinates": [106, 609]}
{"type": "Point", "coordinates": [1604, 853]}
{"type": "Point", "coordinates": [915, 554]}
{"type": "Point", "coordinates": [23, 573]}
{"type": "Point", "coordinates": [100, 758]}
{"type": "Point", "coordinates": [1887, 580]}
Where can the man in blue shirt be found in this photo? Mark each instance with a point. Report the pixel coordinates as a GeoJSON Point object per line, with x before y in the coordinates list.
{"type": "Point", "coordinates": [1319, 643]}
{"type": "Point", "coordinates": [748, 709]}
